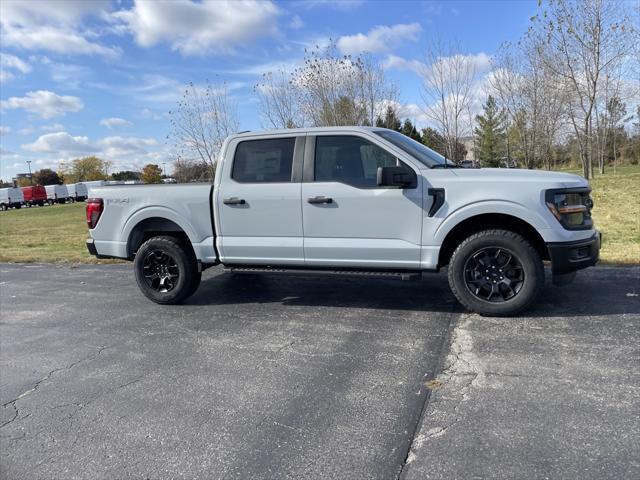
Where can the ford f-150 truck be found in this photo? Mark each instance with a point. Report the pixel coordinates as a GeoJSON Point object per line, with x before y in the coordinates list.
{"type": "Point", "coordinates": [351, 200]}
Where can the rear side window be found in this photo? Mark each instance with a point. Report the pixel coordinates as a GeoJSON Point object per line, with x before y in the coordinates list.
{"type": "Point", "coordinates": [350, 160]}
{"type": "Point", "coordinates": [263, 161]}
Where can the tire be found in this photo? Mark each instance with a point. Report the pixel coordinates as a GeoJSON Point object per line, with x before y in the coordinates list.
{"type": "Point", "coordinates": [3, 207]}
{"type": "Point", "coordinates": [18, 206]}
{"type": "Point", "coordinates": [166, 270]}
{"type": "Point", "coordinates": [496, 273]}
{"type": "Point", "coordinates": [50, 202]}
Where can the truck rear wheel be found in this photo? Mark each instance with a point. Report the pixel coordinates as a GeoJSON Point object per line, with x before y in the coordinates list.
{"type": "Point", "coordinates": [166, 270]}
{"type": "Point", "coordinates": [496, 273]}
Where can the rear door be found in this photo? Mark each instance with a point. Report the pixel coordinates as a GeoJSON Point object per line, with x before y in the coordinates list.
{"type": "Point", "coordinates": [258, 202]}
{"type": "Point", "coordinates": [348, 220]}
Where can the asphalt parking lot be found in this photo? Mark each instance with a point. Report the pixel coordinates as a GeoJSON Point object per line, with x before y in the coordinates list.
{"type": "Point", "coordinates": [314, 377]}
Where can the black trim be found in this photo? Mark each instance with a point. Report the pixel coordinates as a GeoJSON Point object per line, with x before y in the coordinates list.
{"type": "Point", "coordinates": [91, 246]}
{"type": "Point", "coordinates": [213, 225]}
{"type": "Point", "coordinates": [571, 256]}
{"type": "Point", "coordinates": [438, 200]}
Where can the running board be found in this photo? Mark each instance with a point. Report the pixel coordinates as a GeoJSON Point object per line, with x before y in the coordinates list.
{"type": "Point", "coordinates": [400, 274]}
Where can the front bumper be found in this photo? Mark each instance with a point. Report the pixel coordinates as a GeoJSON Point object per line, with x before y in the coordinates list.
{"type": "Point", "coordinates": [568, 257]}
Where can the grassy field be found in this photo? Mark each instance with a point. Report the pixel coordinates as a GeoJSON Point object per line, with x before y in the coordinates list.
{"type": "Point", "coordinates": [58, 233]}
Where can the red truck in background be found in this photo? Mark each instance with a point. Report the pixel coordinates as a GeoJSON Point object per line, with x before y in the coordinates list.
{"type": "Point", "coordinates": [35, 195]}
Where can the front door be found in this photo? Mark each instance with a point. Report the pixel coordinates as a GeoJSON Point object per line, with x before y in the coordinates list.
{"type": "Point", "coordinates": [348, 220]}
{"type": "Point", "coordinates": [258, 203]}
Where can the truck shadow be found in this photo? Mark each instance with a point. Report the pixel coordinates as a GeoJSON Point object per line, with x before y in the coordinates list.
{"type": "Point", "coordinates": [596, 291]}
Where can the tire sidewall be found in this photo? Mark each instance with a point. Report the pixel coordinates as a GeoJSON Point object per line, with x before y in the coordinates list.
{"type": "Point", "coordinates": [516, 245]}
{"type": "Point", "coordinates": [186, 270]}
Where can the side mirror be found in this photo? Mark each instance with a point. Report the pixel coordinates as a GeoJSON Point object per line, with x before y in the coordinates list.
{"type": "Point", "coordinates": [401, 177]}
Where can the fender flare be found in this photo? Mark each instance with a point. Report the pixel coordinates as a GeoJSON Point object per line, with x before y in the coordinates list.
{"type": "Point", "coordinates": [484, 207]}
{"type": "Point", "coordinates": [158, 212]}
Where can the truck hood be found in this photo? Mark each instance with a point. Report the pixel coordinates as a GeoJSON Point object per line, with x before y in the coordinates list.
{"type": "Point", "coordinates": [516, 175]}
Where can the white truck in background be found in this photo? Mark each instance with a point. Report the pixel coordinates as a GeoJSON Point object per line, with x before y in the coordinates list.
{"type": "Point", "coordinates": [351, 200]}
{"type": "Point", "coordinates": [56, 194]}
{"type": "Point", "coordinates": [77, 192]}
{"type": "Point", "coordinates": [11, 198]}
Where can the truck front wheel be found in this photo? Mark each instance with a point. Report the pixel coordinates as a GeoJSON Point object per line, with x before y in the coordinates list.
{"type": "Point", "coordinates": [496, 273]}
{"type": "Point", "coordinates": [166, 270]}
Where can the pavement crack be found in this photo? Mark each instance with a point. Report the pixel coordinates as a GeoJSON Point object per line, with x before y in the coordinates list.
{"type": "Point", "coordinates": [47, 377]}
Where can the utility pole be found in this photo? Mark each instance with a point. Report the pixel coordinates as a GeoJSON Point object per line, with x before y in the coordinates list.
{"type": "Point", "coordinates": [30, 178]}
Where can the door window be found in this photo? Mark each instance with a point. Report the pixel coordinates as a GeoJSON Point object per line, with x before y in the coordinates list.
{"type": "Point", "coordinates": [262, 161]}
{"type": "Point", "coordinates": [350, 160]}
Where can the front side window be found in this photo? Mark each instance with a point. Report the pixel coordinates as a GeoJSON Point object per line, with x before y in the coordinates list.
{"type": "Point", "coordinates": [350, 160]}
{"type": "Point", "coordinates": [263, 161]}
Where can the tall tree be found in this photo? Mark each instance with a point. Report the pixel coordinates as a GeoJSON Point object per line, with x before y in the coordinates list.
{"type": "Point", "coordinates": [86, 169]}
{"type": "Point", "coordinates": [448, 88]}
{"type": "Point", "coordinates": [489, 135]}
{"type": "Point", "coordinates": [151, 173]}
{"type": "Point", "coordinates": [204, 117]}
{"type": "Point", "coordinates": [390, 119]}
{"type": "Point", "coordinates": [432, 139]}
{"type": "Point", "coordinates": [410, 131]}
{"type": "Point", "coordinates": [278, 101]}
{"type": "Point", "coordinates": [46, 176]}
{"type": "Point", "coordinates": [589, 41]}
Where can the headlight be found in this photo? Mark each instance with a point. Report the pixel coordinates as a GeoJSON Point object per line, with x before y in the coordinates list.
{"type": "Point", "coordinates": [572, 207]}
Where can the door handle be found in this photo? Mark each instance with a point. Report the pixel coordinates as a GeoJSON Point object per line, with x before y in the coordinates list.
{"type": "Point", "coordinates": [316, 200]}
{"type": "Point", "coordinates": [234, 201]}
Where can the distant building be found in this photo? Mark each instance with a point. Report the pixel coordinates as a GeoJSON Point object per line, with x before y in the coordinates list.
{"type": "Point", "coordinates": [469, 145]}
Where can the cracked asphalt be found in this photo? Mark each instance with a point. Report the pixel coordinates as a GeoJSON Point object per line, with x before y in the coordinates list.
{"type": "Point", "coordinates": [313, 377]}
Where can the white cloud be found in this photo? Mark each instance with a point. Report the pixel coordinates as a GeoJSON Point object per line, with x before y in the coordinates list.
{"type": "Point", "coordinates": [380, 39]}
{"type": "Point", "coordinates": [10, 65]}
{"type": "Point", "coordinates": [44, 103]}
{"type": "Point", "coordinates": [56, 127]}
{"type": "Point", "coordinates": [4, 130]}
{"type": "Point", "coordinates": [198, 28]}
{"type": "Point", "coordinates": [296, 22]}
{"type": "Point", "coordinates": [342, 5]}
{"type": "Point", "coordinates": [61, 143]}
{"type": "Point", "coordinates": [113, 122]}
{"type": "Point", "coordinates": [125, 152]}
{"type": "Point", "coordinates": [399, 63]}
{"type": "Point", "coordinates": [55, 25]}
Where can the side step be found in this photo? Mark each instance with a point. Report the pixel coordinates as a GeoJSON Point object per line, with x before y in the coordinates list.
{"type": "Point", "coordinates": [400, 274]}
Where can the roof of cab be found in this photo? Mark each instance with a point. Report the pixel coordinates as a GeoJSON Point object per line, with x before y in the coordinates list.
{"type": "Point", "coordinates": [294, 131]}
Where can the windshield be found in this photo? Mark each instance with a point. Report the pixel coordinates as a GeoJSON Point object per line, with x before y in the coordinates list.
{"type": "Point", "coordinates": [417, 150]}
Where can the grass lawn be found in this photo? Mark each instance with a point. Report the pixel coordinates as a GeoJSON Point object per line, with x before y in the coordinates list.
{"type": "Point", "coordinates": [58, 233]}
{"type": "Point", "coordinates": [45, 234]}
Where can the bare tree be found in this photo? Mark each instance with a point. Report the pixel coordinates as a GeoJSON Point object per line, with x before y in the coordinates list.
{"type": "Point", "coordinates": [588, 40]}
{"type": "Point", "coordinates": [327, 89]}
{"type": "Point", "coordinates": [278, 99]}
{"type": "Point", "coordinates": [448, 89]}
{"type": "Point", "coordinates": [527, 90]}
{"type": "Point", "coordinates": [204, 117]}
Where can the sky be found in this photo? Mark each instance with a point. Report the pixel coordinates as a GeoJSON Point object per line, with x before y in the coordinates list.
{"type": "Point", "coordinates": [98, 77]}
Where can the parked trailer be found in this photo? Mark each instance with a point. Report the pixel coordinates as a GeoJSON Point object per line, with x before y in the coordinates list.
{"type": "Point", "coordinates": [77, 192]}
{"type": "Point", "coordinates": [11, 198]}
{"type": "Point", "coordinates": [57, 194]}
{"type": "Point", "coordinates": [34, 195]}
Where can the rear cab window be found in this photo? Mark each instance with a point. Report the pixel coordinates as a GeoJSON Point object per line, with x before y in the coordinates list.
{"type": "Point", "coordinates": [263, 161]}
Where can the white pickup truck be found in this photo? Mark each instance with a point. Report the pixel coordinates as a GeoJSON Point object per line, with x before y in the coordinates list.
{"type": "Point", "coordinates": [351, 200]}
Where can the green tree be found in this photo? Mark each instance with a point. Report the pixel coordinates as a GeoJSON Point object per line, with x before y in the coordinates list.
{"type": "Point", "coordinates": [46, 176]}
{"type": "Point", "coordinates": [125, 175]}
{"type": "Point", "coordinates": [86, 169]}
{"type": "Point", "coordinates": [390, 120]}
{"type": "Point", "coordinates": [410, 131]}
{"type": "Point", "coordinates": [432, 139]}
{"type": "Point", "coordinates": [490, 134]}
{"type": "Point", "coordinates": [151, 173]}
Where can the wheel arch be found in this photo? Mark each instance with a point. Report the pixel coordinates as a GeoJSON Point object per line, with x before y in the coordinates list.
{"type": "Point", "coordinates": [487, 221]}
{"type": "Point", "coordinates": [153, 227]}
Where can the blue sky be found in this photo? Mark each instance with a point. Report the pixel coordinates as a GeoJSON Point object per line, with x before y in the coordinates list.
{"type": "Point", "coordinates": [98, 77]}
